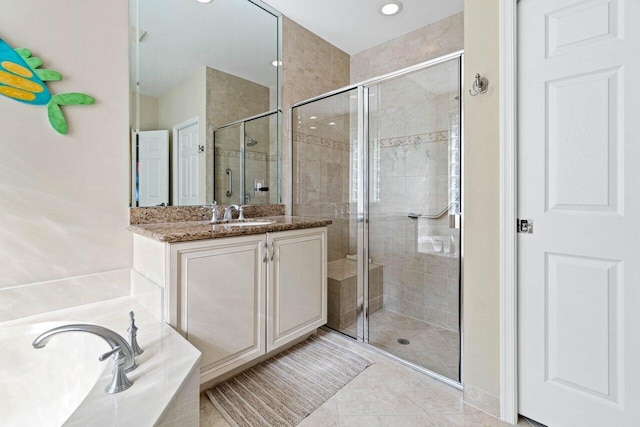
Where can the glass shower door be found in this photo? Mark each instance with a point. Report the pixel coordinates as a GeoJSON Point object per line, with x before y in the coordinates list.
{"type": "Point", "coordinates": [413, 201]}
{"type": "Point", "coordinates": [325, 185]}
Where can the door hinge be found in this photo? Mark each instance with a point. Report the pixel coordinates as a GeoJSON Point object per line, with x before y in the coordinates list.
{"type": "Point", "coordinates": [524, 225]}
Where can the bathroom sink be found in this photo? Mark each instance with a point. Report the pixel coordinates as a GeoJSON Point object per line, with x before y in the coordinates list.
{"type": "Point", "coordinates": [248, 223]}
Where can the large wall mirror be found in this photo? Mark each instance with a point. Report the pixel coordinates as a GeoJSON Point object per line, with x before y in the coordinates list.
{"type": "Point", "coordinates": [205, 84]}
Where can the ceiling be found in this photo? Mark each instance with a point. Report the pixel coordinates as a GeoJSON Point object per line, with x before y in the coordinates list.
{"type": "Point", "coordinates": [356, 25]}
{"type": "Point", "coordinates": [181, 37]}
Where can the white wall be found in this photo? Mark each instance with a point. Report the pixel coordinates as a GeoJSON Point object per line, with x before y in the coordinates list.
{"type": "Point", "coordinates": [148, 112]}
{"type": "Point", "coordinates": [481, 209]}
{"type": "Point", "coordinates": [64, 199]}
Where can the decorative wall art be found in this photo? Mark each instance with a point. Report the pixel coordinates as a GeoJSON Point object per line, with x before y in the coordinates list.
{"type": "Point", "coordinates": [22, 79]}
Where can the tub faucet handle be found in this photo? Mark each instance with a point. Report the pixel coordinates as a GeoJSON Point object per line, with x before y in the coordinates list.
{"type": "Point", "coordinates": [119, 381]}
{"type": "Point", "coordinates": [133, 335]}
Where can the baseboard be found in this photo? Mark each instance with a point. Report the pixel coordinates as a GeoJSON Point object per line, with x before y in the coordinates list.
{"type": "Point", "coordinates": [480, 399]}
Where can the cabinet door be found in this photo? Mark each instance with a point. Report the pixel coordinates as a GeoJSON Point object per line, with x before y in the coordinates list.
{"type": "Point", "coordinates": [221, 287]}
{"type": "Point", "coordinates": [297, 285]}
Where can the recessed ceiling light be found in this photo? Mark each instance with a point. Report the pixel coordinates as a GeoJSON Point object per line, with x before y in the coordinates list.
{"type": "Point", "coordinates": [204, 1]}
{"type": "Point", "coordinates": [390, 8]}
{"type": "Point", "coordinates": [312, 127]}
{"type": "Point", "coordinates": [332, 124]}
{"type": "Point", "coordinates": [312, 117]}
{"type": "Point", "coordinates": [276, 63]}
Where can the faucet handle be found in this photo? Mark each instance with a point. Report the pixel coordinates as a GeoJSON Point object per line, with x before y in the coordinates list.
{"type": "Point", "coordinates": [108, 354]}
{"type": "Point", "coordinates": [214, 212]}
{"type": "Point", "coordinates": [119, 381]}
{"type": "Point", "coordinates": [241, 213]}
{"type": "Point", "coordinates": [133, 335]}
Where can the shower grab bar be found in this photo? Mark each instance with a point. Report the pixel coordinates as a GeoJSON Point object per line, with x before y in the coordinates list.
{"type": "Point", "coordinates": [230, 175]}
{"type": "Point", "coordinates": [415, 215]}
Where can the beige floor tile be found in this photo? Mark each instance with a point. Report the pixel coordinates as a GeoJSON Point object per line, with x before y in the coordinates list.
{"type": "Point", "coordinates": [360, 421]}
{"type": "Point", "coordinates": [328, 409]}
{"type": "Point", "coordinates": [407, 421]}
{"type": "Point", "coordinates": [314, 420]}
{"type": "Point", "coordinates": [374, 401]}
{"type": "Point", "coordinates": [209, 415]}
{"type": "Point", "coordinates": [477, 419]}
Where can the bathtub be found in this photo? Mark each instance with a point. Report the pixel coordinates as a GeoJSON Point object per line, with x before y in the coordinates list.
{"type": "Point", "coordinates": [63, 383]}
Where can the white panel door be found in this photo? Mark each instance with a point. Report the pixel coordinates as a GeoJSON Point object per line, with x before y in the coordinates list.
{"type": "Point", "coordinates": [186, 182]}
{"type": "Point", "coordinates": [297, 285]}
{"type": "Point", "coordinates": [579, 176]}
{"type": "Point", "coordinates": [153, 168]}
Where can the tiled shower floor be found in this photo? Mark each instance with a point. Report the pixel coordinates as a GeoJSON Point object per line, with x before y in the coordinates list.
{"type": "Point", "coordinates": [432, 347]}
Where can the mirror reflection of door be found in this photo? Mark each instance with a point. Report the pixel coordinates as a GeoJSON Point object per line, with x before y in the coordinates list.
{"type": "Point", "coordinates": [153, 168]}
{"type": "Point", "coordinates": [186, 163]}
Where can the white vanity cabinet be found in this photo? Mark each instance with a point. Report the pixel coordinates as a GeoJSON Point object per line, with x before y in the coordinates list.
{"type": "Point", "coordinates": [238, 298]}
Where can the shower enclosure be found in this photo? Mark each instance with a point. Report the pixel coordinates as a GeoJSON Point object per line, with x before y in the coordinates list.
{"type": "Point", "coordinates": [382, 160]}
{"type": "Point", "coordinates": [245, 161]}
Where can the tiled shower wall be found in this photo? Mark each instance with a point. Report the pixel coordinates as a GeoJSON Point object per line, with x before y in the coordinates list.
{"type": "Point", "coordinates": [248, 100]}
{"type": "Point", "coordinates": [410, 143]}
{"type": "Point", "coordinates": [311, 67]}
{"type": "Point", "coordinates": [413, 175]}
{"type": "Point", "coordinates": [431, 41]}
{"type": "Point", "coordinates": [321, 188]}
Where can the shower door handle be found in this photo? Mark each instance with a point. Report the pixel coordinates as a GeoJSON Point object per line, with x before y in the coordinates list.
{"type": "Point", "coordinates": [230, 175]}
{"type": "Point", "coordinates": [454, 221]}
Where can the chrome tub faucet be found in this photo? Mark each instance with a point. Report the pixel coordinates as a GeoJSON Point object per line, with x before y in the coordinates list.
{"type": "Point", "coordinates": [123, 353]}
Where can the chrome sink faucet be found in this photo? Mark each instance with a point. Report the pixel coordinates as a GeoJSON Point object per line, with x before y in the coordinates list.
{"type": "Point", "coordinates": [229, 209]}
{"type": "Point", "coordinates": [111, 337]}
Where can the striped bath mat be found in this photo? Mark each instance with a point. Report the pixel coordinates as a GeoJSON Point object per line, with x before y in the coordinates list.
{"type": "Point", "coordinates": [283, 390]}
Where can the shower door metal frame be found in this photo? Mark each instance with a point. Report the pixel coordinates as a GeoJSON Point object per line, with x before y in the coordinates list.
{"type": "Point", "coordinates": [362, 214]}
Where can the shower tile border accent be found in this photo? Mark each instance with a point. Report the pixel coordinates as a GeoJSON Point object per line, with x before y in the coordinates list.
{"type": "Point", "coordinates": [438, 136]}
{"type": "Point", "coordinates": [160, 214]}
{"type": "Point", "coordinates": [249, 155]}
{"type": "Point", "coordinates": [322, 142]}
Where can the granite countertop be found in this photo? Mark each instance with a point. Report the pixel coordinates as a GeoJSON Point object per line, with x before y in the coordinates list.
{"type": "Point", "coordinates": [173, 232]}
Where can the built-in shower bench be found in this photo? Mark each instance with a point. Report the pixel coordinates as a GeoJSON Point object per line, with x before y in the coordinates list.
{"type": "Point", "coordinates": [343, 298]}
